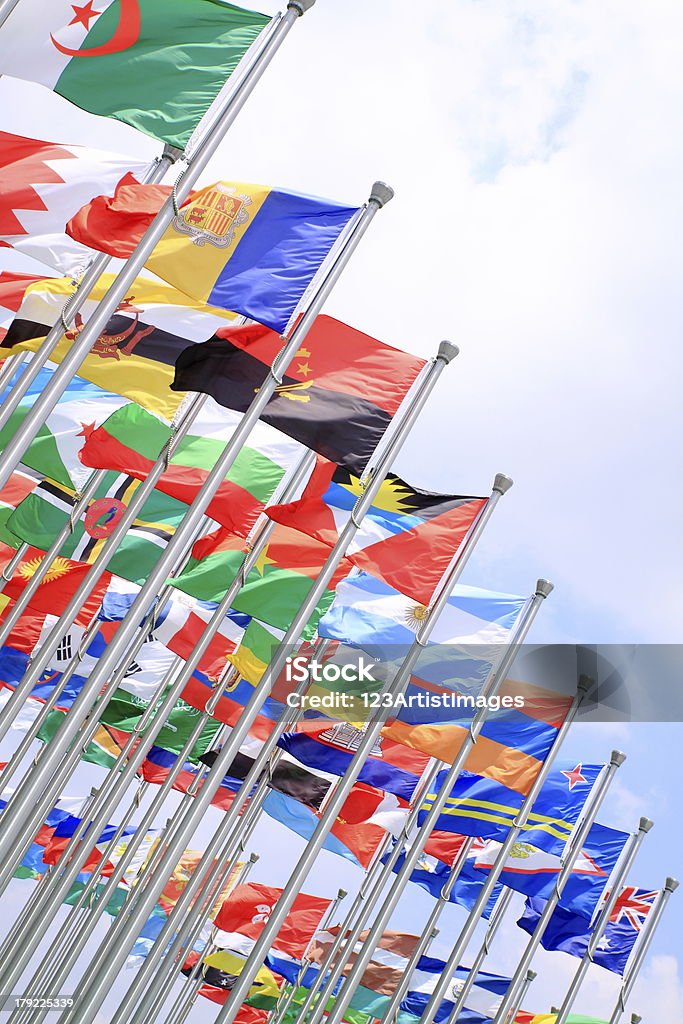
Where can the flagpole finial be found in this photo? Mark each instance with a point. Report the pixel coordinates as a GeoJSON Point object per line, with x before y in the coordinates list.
{"type": "Point", "coordinates": [544, 588]}
{"type": "Point", "coordinates": [645, 824]}
{"type": "Point", "coordinates": [300, 6]}
{"type": "Point", "coordinates": [502, 483]}
{"type": "Point", "coordinates": [253, 857]}
{"type": "Point", "coordinates": [172, 153]}
{"type": "Point", "coordinates": [671, 884]}
{"type": "Point", "coordinates": [342, 894]}
{"type": "Point", "coordinates": [381, 193]}
{"type": "Point", "coordinates": [618, 757]}
{"type": "Point", "coordinates": [447, 351]}
{"type": "Point", "coordinates": [530, 975]}
{"type": "Point", "coordinates": [585, 683]}
{"type": "Point", "coordinates": [636, 1018]}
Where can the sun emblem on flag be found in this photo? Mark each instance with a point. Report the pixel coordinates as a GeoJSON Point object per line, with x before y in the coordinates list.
{"type": "Point", "coordinates": [213, 217]}
{"type": "Point", "coordinates": [60, 567]}
{"type": "Point", "coordinates": [415, 615]}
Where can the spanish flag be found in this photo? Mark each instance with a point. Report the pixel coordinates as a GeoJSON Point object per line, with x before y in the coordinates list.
{"type": "Point", "coordinates": [135, 354]}
{"type": "Point", "coordinates": [249, 248]}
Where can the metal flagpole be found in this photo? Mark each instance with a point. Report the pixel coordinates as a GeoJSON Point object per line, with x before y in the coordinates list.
{"type": "Point", "coordinates": [524, 988]}
{"type": "Point", "coordinates": [404, 875]}
{"type": "Point", "coordinates": [10, 365]}
{"type": "Point", "coordinates": [511, 838]}
{"type": "Point", "coordinates": [96, 267]}
{"type": "Point", "coordinates": [502, 904]}
{"type": "Point", "coordinates": [646, 937]}
{"type": "Point", "coordinates": [206, 147]}
{"type": "Point", "coordinates": [391, 1013]}
{"type": "Point", "coordinates": [101, 976]}
{"type": "Point", "coordinates": [571, 851]}
{"type": "Point", "coordinates": [370, 736]}
{"type": "Point", "coordinates": [603, 918]}
{"type": "Point", "coordinates": [380, 195]}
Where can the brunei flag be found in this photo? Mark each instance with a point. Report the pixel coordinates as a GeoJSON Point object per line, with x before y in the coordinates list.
{"type": "Point", "coordinates": [338, 395]}
{"type": "Point", "coordinates": [249, 248]}
{"type": "Point", "coordinates": [135, 354]}
{"type": "Point", "coordinates": [407, 538]}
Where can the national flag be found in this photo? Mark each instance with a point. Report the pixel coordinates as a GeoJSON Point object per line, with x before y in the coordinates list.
{"type": "Point", "coordinates": [249, 248]}
{"type": "Point", "coordinates": [157, 67]}
{"type": "Point", "coordinates": [570, 932]}
{"type": "Point", "coordinates": [40, 517]}
{"type": "Point", "coordinates": [58, 585]}
{"type": "Point", "coordinates": [43, 184]}
{"type": "Point", "coordinates": [512, 743]}
{"type": "Point", "coordinates": [221, 970]}
{"type": "Point", "coordinates": [534, 872]}
{"type": "Point", "coordinates": [337, 397]}
{"type": "Point", "coordinates": [550, 1018]}
{"type": "Point", "coordinates": [482, 1002]}
{"type": "Point", "coordinates": [466, 640]}
{"type": "Point", "coordinates": [483, 808]}
{"type": "Point", "coordinates": [54, 452]}
{"type": "Point", "coordinates": [256, 650]}
{"type": "Point", "coordinates": [431, 874]}
{"type": "Point", "coordinates": [277, 585]}
{"type": "Point", "coordinates": [12, 288]}
{"type": "Point", "coordinates": [20, 484]}
{"type": "Point", "coordinates": [131, 439]}
{"type": "Point", "coordinates": [242, 916]}
{"type": "Point", "coordinates": [407, 537]}
{"type": "Point", "coordinates": [135, 354]}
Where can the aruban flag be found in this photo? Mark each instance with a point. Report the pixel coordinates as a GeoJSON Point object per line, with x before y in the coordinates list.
{"type": "Point", "coordinates": [407, 538]}
{"type": "Point", "coordinates": [534, 872]}
{"type": "Point", "coordinates": [249, 248]}
{"type": "Point", "coordinates": [338, 395]}
{"type": "Point", "coordinates": [131, 439]}
{"type": "Point", "coordinates": [277, 585]}
{"type": "Point", "coordinates": [571, 933]}
{"type": "Point", "coordinates": [157, 67]}
{"type": "Point", "coordinates": [54, 452]}
{"type": "Point", "coordinates": [135, 354]}
{"type": "Point", "coordinates": [42, 184]}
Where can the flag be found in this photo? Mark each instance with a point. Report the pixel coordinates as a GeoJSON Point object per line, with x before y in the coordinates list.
{"type": "Point", "coordinates": [550, 1018]}
{"type": "Point", "coordinates": [466, 638]}
{"type": "Point", "coordinates": [130, 441]}
{"type": "Point", "coordinates": [248, 248]}
{"type": "Point", "coordinates": [135, 354]}
{"type": "Point", "coordinates": [157, 67]}
{"type": "Point", "coordinates": [483, 808]}
{"type": "Point", "coordinates": [512, 743]}
{"type": "Point", "coordinates": [42, 184]}
{"type": "Point", "coordinates": [337, 397]}
{"type": "Point", "coordinates": [570, 932]}
{"type": "Point", "coordinates": [431, 874]}
{"type": "Point", "coordinates": [483, 1000]}
{"type": "Point", "coordinates": [58, 585]}
{"type": "Point", "coordinates": [12, 288]}
{"type": "Point", "coordinates": [40, 517]}
{"type": "Point", "coordinates": [221, 970]}
{"type": "Point", "coordinates": [54, 452]}
{"type": "Point", "coordinates": [20, 484]}
{"type": "Point", "coordinates": [534, 872]}
{"type": "Point", "coordinates": [277, 585]}
{"type": "Point", "coordinates": [242, 916]}
{"type": "Point", "coordinates": [407, 537]}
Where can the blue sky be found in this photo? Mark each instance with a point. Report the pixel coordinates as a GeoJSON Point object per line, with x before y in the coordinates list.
{"type": "Point", "coordinates": [537, 224]}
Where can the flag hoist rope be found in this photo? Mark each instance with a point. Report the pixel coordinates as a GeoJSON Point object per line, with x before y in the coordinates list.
{"type": "Point", "coordinates": [24, 799]}
{"type": "Point", "coordinates": [202, 154]}
{"type": "Point", "coordinates": [98, 979]}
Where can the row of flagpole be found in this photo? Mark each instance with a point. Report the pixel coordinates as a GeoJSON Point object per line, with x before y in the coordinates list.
{"type": "Point", "coordinates": [36, 794]}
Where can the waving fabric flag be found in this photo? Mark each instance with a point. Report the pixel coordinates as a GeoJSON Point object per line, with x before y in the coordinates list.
{"type": "Point", "coordinates": [534, 872]}
{"type": "Point", "coordinates": [58, 585]}
{"type": "Point", "coordinates": [433, 525]}
{"type": "Point", "coordinates": [432, 874]}
{"type": "Point", "coordinates": [157, 67]}
{"type": "Point", "coordinates": [42, 184]}
{"type": "Point", "coordinates": [483, 1000]}
{"type": "Point", "coordinates": [135, 354]}
{"type": "Point", "coordinates": [481, 807]}
{"type": "Point", "coordinates": [570, 933]}
{"type": "Point", "coordinates": [242, 916]}
{"type": "Point", "coordinates": [130, 440]}
{"type": "Point", "coordinates": [338, 396]}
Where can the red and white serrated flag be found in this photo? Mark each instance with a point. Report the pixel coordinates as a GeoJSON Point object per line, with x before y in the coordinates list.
{"type": "Point", "coordinates": [43, 184]}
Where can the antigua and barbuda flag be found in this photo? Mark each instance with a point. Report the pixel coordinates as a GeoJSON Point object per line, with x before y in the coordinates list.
{"type": "Point", "coordinates": [42, 185]}
{"type": "Point", "coordinates": [155, 66]}
{"type": "Point", "coordinates": [408, 537]}
{"type": "Point", "coordinates": [484, 808]}
{"type": "Point", "coordinates": [570, 932]}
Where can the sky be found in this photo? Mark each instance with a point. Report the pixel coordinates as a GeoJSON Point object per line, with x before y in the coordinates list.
{"type": "Point", "coordinates": [536, 224]}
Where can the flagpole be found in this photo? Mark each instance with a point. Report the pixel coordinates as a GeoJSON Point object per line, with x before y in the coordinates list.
{"type": "Point", "coordinates": [646, 937]}
{"type": "Point", "coordinates": [206, 148]}
{"type": "Point", "coordinates": [101, 977]}
{"type": "Point", "coordinates": [602, 921]}
{"type": "Point", "coordinates": [571, 852]}
{"type": "Point", "coordinates": [511, 838]}
{"type": "Point", "coordinates": [502, 904]}
{"type": "Point", "coordinates": [524, 988]}
{"type": "Point", "coordinates": [94, 270]}
{"type": "Point", "coordinates": [391, 1013]}
{"type": "Point", "coordinates": [413, 854]}
{"type": "Point", "coordinates": [10, 365]}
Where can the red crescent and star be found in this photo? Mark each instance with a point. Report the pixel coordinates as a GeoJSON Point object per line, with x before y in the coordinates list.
{"type": "Point", "coordinates": [126, 34]}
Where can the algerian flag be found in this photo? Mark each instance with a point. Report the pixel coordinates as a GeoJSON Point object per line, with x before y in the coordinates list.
{"type": "Point", "coordinates": [156, 66]}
